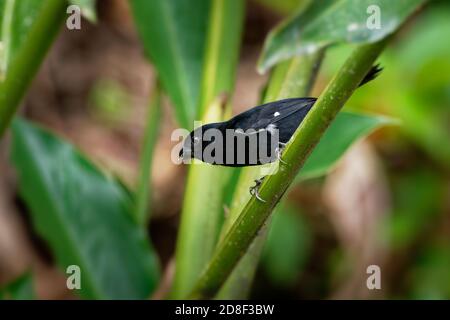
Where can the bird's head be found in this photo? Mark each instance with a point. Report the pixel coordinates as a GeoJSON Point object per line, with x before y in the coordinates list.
{"type": "Point", "coordinates": [197, 141]}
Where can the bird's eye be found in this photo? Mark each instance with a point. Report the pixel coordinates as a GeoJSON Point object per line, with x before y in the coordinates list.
{"type": "Point", "coordinates": [196, 140]}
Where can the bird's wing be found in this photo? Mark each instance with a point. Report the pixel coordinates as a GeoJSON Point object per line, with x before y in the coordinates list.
{"type": "Point", "coordinates": [284, 113]}
{"type": "Point", "coordinates": [261, 117]}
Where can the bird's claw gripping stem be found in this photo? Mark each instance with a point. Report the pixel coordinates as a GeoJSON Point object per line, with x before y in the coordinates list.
{"type": "Point", "coordinates": [254, 191]}
{"type": "Point", "coordinates": [279, 152]}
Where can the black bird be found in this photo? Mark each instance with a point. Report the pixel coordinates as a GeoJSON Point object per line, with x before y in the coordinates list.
{"type": "Point", "coordinates": [254, 137]}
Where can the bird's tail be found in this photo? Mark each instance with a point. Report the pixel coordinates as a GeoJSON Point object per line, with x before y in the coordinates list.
{"type": "Point", "coordinates": [372, 74]}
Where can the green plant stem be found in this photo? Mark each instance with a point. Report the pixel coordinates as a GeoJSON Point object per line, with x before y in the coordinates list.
{"type": "Point", "coordinates": [255, 213]}
{"type": "Point", "coordinates": [222, 52]}
{"type": "Point", "coordinates": [26, 63]}
{"type": "Point", "coordinates": [150, 139]}
{"type": "Point", "coordinates": [6, 35]}
{"type": "Point", "coordinates": [202, 213]}
{"type": "Point", "coordinates": [292, 78]}
{"type": "Point", "coordinates": [201, 218]}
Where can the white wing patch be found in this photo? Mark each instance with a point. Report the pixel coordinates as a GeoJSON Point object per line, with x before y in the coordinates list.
{"type": "Point", "coordinates": [271, 128]}
{"type": "Point", "coordinates": [276, 114]}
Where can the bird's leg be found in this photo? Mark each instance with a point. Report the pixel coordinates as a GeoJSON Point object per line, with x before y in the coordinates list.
{"type": "Point", "coordinates": [254, 190]}
{"type": "Point", "coordinates": [279, 151]}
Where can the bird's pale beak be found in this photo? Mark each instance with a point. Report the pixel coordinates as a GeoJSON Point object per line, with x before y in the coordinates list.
{"type": "Point", "coordinates": [184, 154]}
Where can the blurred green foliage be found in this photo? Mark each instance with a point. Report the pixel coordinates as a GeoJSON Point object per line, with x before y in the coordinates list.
{"type": "Point", "coordinates": [20, 289]}
{"type": "Point", "coordinates": [416, 206]}
{"type": "Point", "coordinates": [109, 101]}
{"type": "Point", "coordinates": [174, 34]}
{"type": "Point", "coordinates": [429, 278]}
{"type": "Point", "coordinates": [342, 134]}
{"type": "Point", "coordinates": [414, 88]}
{"type": "Point", "coordinates": [288, 246]}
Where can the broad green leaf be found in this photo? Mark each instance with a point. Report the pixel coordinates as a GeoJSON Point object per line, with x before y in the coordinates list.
{"type": "Point", "coordinates": [87, 8]}
{"type": "Point", "coordinates": [327, 22]}
{"type": "Point", "coordinates": [343, 132]}
{"type": "Point", "coordinates": [174, 34]}
{"type": "Point", "coordinates": [84, 216]}
{"type": "Point", "coordinates": [20, 289]}
{"type": "Point", "coordinates": [288, 246]}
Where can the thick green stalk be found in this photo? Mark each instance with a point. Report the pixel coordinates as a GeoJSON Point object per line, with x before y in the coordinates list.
{"type": "Point", "coordinates": [292, 78]}
{"type": "Point", "coordinates": [222, 52]}
{"type": "Point", "coordinates": [202, 213]}
{"type": "Point", "coordinates": [256, 213]}
{"type": "Point", "coordinates": [150, 138]}
{"type": "Point", "coordinates": [26, 63]}
{"type": "Point", "coordinates": [6, 36]}
{"type": "Point", "coordinates": [201, 218]}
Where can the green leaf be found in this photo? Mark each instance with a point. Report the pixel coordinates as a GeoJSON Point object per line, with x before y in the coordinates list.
{"type": "Point", "coordinates": [20, 289]}
{"type": "Point", "coordinates": [174, 35]}
{"type": "Point", "coordinates": [287, 247]}
{"type": "Point", "coordinates": [87, 9]}
{"type": "Point", "coordinates": [325, 22]}
{"type": "Point", "coordinates": [84, 216]}
{"type": "Point", "coordinates": [342, 133]}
